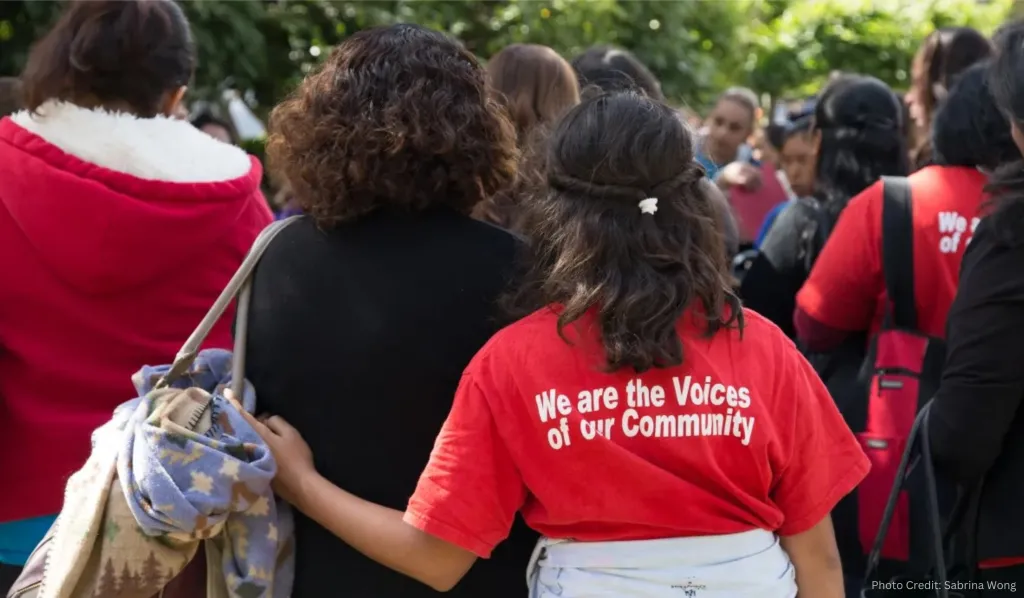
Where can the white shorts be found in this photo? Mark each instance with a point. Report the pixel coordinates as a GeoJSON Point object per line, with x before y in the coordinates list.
{"type": "Point", "coordinates": [745, 565]}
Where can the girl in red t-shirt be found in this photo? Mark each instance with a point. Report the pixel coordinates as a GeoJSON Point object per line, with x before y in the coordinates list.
{"type": "Point", "coordinates": [659, 437]}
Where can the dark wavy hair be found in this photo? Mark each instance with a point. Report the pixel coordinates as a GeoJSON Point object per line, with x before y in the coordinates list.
{"type": "Point", "coordinates": [116, 54]}
{"type": "Point", "coordinates": [1006, 82]}
{"type": "Point", "coordinates": [594, 248]}
{"type": "Point", "coordinates": [860, 120]}
{"type": "Point", "coordinates": [969, 129]}
{"type": "Point", "coordinates": [397, 116]}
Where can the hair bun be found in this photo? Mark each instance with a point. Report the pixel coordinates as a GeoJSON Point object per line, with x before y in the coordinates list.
{"type": "Point", "coordinates": [117, 52]}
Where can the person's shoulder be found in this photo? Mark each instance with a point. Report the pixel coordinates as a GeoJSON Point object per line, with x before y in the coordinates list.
{"type": "Point", "coordinates": [520, 335]}
{"type": "Point", "coordinates": [492, 235]}
{"type": "Point", "coordinates": [869, 199]}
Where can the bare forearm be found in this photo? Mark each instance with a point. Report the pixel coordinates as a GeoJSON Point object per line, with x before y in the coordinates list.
{"type": "Point", "coordinates": [379, 533]}
{"type": "Point", "coordinates": [819, 572]}
{"type": "Point", "coordinates": [819, 581]}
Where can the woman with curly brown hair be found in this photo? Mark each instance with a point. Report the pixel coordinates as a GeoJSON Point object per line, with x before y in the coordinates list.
{"type": "Point", "coordinates": [366, 311]}
{"type": "Point", "coordinates": [537, 86]}
{"type": "Point", "coordinates": [662, 439]}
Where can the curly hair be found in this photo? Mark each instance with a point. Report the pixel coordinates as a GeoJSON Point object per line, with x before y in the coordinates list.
{"type": "Point", "coordinates": [397, 116]}
{"type": "Point", "coordinates": [594, 248]}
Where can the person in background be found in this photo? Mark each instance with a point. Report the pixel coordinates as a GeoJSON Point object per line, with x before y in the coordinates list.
{"type": "Point", "coordinates": [10, 96]}
{"type": "Point", "coordinates": [977, 424]}
{"type": "Point", "coordinates": [366, 311]}
{"type": "Point", "coordinates": [723, 151]}
{"type": "Point", "coordinates": [845, 292]}
{"type": "Point", "coordinates": [216, 128]}
{"type": "Point", "coordinates": [943, 55]}
{"type": "Point", "coordinates": [608, 69]}
{"type": "Point", "coordinates": [797, 156]}
{"type": "Point", "coordinates": [285, 203]}
{"type": "Point", "coordinates": [121, 227]}
{"type": "Point", "coordinates": [632, 317]}
{"type": "Point", "coordinates": [752, 187]}
{"type": "Point", "coordinates": [762, 149]}
{"type": "Point", "coordinates": [603, 69]}
{"type": "Point", "coordinates": [536, 86]}
{"type": "Point", "coordinates": [691, 118]}
{"type": "Point", "coordinates": [857, 136]}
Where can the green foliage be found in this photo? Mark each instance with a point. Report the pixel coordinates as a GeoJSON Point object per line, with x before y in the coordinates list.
{"type": "Point", "coordinates": [696, 48]}
{"type": "Point", "coordinates": [796, 49]}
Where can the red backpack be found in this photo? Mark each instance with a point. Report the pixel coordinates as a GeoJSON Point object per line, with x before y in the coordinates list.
{"type": "Point", "coordinates": [879, 394]}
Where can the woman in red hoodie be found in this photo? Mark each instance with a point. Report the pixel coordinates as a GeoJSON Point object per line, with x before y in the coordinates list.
{"type": "Point", "coordinates": [119, 225]}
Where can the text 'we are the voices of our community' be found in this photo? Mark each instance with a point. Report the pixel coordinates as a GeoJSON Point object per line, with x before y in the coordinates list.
{"type": "Point", "coordinates": [597, 410]}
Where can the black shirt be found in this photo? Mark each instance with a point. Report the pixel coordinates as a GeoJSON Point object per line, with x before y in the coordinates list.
{"type": "Point", "coordinates": [976, 425]}
{"type": "Point", "coordinates": [358, 337]}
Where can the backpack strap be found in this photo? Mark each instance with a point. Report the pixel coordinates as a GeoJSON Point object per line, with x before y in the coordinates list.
{"type": "Point", "coordinates": [814, 233]}
{"type": "Point", "coordinates": [898, 253]}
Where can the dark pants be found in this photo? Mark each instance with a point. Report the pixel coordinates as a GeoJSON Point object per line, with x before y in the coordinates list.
{"type": "Point", "coordinates": [8, 575]}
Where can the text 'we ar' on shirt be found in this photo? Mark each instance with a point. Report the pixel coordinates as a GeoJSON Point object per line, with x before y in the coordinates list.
{"type": "Point", "coordinates": [742, 436]}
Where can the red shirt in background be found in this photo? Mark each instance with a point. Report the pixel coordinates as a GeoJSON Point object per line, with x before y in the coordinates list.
{"type": "Point", "coordinates": [846, 287]}
{"type": "Point", "coordinates": [751, 207]}
{"type": "Point", "coordinates": [742, 436]}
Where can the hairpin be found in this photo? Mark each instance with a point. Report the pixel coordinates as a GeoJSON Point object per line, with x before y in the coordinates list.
{"type": "Point", "coordinates": [649, 205]}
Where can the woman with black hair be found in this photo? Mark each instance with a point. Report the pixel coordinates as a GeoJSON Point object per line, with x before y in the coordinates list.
{"type": "Point", "coordinates": [845, 291]}
{"type": "Point", "coordinates": [614, 69]}
{"type": "Point", "coordinates": [857, 126]}
{"type": "Point", "coordinates": [976, 424]}
{"type": "Point", "coordinates": [661, 438]}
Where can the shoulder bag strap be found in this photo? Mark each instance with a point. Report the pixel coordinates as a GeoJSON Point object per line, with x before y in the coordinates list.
{"type": "Point", "coordinates": [239, 286]}
{"type": "Point", "coordinates": [919, 451]}
{"type": "Point", "coordinates": [898, 252]}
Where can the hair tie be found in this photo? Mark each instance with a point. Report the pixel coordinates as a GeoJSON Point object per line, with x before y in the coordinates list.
{"type": "Point", "coordinates": [649, 205]}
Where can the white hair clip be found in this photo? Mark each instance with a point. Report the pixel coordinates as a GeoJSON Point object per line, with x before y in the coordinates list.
{"type": "Point", "coordinates": [649, 205]}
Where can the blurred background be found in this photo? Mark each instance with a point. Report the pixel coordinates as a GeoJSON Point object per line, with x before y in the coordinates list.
{"type": "Point", "coordinates": [252, 52]}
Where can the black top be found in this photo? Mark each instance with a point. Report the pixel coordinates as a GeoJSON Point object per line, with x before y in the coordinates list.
{"type": "Point", "coordinates": [784, 262]}
{"type": "Point", "coordinates": [976, 426]}
{"type": "Point", "coordinates": [358, 337]}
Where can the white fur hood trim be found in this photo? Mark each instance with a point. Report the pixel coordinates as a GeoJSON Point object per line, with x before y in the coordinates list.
{"type": "Point", "coordinates": [156, 149]}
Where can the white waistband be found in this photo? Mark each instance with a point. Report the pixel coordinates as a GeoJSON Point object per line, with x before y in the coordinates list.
{"type": "Point", "coordinates": [745, 565]}
{"type": "Point", "coordinates": [696, 551]}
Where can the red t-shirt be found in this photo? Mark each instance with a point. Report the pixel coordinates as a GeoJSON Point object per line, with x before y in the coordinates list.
{"type": "Point", "coordinates": [846, 287]}
{"type": "Point", "coordinates": [742, 436]}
